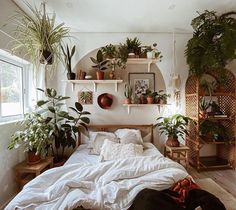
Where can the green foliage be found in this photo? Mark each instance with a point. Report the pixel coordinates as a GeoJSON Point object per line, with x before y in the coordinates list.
{"type": "Point", "coordinates": [213, 43]}
{"type": "Point", "coordinates": [100, 62]}
{"type": "Point", "coordinates": [35, 136]}
{"type": "Point", "coordinates": [63, 126]}
{"type": "Point", "coordinates": [216, 130]}
{"type": "Point", "coordinates": [38, 32]}
{"type": "Point", "coordinates": [109, 51]}
{"type": "Point", "coordinates": [173, 126]}
{"type": "Point", "coordinates": [128, 91]}
{"type": "Point", "coordinates": [68, 54]}
{"type": "Point", "coordinates": [133, 45]}
{"type": "Point", "coordinates": [209, 87]}
{"type": "Point", "coordinates": [203, 105]}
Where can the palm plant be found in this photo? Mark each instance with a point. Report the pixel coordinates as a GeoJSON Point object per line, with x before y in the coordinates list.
{"type": "Point", "coordinates": [38, 35]}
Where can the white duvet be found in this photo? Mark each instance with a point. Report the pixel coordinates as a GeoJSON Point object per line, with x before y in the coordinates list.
{"type": "Point", "coordinates": [107, 185]}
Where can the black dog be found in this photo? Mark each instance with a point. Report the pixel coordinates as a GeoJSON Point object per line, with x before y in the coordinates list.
{"type": "Point", "coordinates": [149, 199]}
{"type": "Point", "coordinates": [206, 200]}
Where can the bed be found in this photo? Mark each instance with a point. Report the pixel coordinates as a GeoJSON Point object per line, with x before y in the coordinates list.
{"type": "Point", "coordinates": [112, 184]}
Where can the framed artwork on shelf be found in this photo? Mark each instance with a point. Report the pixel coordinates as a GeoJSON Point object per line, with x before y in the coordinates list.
{"type": "Point", "coordinates": [141, 81]}
{"type": "Point", "coordinates": [85, 97]}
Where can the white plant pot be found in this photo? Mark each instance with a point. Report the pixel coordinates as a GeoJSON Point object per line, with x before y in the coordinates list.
{"type": "Point", "coordinates": [149, 55]}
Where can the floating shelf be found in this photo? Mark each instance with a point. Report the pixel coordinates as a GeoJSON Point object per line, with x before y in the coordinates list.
{"type": "Point", "coordinates": [129, 106]}
{"type": "Point", "coordinates": [94, 82]}
{"type": "Point", "coordinates": [142, 61]}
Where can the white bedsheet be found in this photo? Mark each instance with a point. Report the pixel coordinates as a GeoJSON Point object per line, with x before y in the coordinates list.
{"type": "Point", "coordinates": [107, 185]}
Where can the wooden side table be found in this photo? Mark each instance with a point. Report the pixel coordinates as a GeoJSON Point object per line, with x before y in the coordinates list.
{"type": "Point", "coordinates": [25, 172]}
{"type": "Point", "coordinates": [177, 153]}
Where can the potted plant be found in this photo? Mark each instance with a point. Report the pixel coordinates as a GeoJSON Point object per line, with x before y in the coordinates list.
{"type": "Point", "coordinates": [100, 64]}
{"type": "Point", "coordinates": [109, 51]}
{"type": "Point", "coordinates": [152, 52]}
{"type": "Point", "coordinates": [68, 54]}
{"type": "Point", "coordinates": [150, 96]}
{"type": "Point", "coordinates": [174, 126]}
{"type": "Point", "coordinates": [35, 137]}
{"type": "Point", "coordinates": [206, 87]}
{"type": "Point", "coordinates": [213, 43]}
{"type": "Point", "coordinates": [162, 97]}
{"type": "Point", "coordinates": [64, 127]}
{"type": "Point", "coordinates": [133, 46]}
{"type": "Point", "coordinates": [39, 36]}
{"type": "Point", "coordinates": [203, 106]}
{"type": "Point", "coordinates": [128, 94]}
{"type": "Point", "coordinates": [213, 131]}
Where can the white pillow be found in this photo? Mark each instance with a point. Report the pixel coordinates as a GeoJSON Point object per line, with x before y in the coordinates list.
{"type": "Point", "coordinates": [113, 151]}
{"type": "Point", "coordinates": [128, 136]}
{"type": "Point", "coordinates": [98, 142]}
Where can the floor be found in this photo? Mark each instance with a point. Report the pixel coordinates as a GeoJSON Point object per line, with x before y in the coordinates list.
{"type": "Point", "coordinates": [225, 178]}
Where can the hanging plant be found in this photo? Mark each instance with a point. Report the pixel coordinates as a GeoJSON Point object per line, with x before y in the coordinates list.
{"type": "Point", "coordinates": [213, 43]}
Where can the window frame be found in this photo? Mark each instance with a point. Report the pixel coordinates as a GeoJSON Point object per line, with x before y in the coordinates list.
{"type": "Point", "coordinates": [16, 61]}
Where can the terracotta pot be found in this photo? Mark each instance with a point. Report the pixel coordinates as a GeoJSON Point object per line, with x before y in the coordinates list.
{"type": "Point", "coordinates": [71, 76]}
{"type": "Point", "coordinates": [127, 101]}
{"type": "Point", "coordinates": [143, 99]}
{"type": "Point", "coordinates": [46, 57]}
{"type": "Point", "coordinates": [172, 141]}
{"type": "Point", "coordinates": [32, 158]}
{"type": "Point", "coordinates": [150, 100]}
{"type": "Point", "coordinates": [100, 75]}
{"type": "Point", "coordinates": [203, 114]}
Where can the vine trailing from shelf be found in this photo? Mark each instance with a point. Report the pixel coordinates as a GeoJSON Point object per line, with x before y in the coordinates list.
{"type": "Point", "coordinates": [213, 44]}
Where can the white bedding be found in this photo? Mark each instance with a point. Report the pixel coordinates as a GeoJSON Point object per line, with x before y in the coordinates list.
{"type": "Point", "coordinates": [106, 185]}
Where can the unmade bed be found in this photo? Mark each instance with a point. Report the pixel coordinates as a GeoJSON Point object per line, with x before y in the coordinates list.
{"type": "Point", "coordinates": [110, 180]}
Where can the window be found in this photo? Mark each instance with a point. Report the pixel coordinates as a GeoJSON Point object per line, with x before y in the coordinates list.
{"type": "Point", "coordinates": [11, 88]}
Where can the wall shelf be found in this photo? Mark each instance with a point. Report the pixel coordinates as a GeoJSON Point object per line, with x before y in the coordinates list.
{"type": "Point", "coordinates": [94, 83]}
{"type": "Point", "coordinates": [129, 106]}
{"type": "Point", "coordinates": [142, 61]}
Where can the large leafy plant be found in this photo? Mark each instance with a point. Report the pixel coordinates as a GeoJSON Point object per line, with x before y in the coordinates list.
{"type": "Point", "coordinates": [100, 62]}
{"type": "Point", "coordinates": [174, 126]}
{"type": "Point", "coordinates": [213, 43]}
{"type": "Point", "coordinates": [35, 137]}
{"type": "Point", "coordinates": [63, 126]}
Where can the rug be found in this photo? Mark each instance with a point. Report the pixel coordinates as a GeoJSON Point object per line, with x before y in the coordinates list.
{"type": "Point", "coordinates": [211, 186]}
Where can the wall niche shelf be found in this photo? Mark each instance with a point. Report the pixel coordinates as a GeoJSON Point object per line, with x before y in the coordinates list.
{"type": "Point", "coordinates": [129, 106]}
{"type": "Point", "coordinates": [94, 83]}
{"type": "Point", "coordinates": [142, 61]}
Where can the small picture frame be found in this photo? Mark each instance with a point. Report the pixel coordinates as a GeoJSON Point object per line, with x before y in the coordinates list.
{"type": "Point", "coordinates": [85, 97]}
{"type": "Point", "coordinates": [141, 81]}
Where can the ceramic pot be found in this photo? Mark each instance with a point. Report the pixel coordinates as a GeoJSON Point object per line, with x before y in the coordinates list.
{"type": "Point", "coordinates": [172, 141]}
{"type": "Point", "coordinates": [149, 55]}
{"type": "Point", "coordinates": [100, 75]}
{"type": "Point", "coordinates": [150, 100]}
{"type": "Point", "coordinates": [127, 101]}
{"type": "Point", "coordinates": [71, 76]}
{"type": "Point", "coordinates": [32, 158]}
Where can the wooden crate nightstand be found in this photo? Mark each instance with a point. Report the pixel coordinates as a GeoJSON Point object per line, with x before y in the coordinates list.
{"type": "Point", "coordinates": [25, 172]}
{"type": "Point", "coordinates": [177, 153]}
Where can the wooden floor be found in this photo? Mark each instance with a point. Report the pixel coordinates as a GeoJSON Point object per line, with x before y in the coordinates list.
{"type": "Point", "coordinates": [225, 178]}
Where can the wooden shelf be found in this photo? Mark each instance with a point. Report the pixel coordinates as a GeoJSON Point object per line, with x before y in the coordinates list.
{"type": "Point", "coordinates": [142, 61]}
{"type": "Point", "coordinates": [213, 162]}
{"type": "Point", "coordinates": [218, 94]}
{"type": "Point", "coordinates": [129, 106]}
{"type": "Point", "coordinates": [94, 83]}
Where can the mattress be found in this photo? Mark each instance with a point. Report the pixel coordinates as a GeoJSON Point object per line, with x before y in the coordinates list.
{"type": "Point", "coordinates": [82, 154]}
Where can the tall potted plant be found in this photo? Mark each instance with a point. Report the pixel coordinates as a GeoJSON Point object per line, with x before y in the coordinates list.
{"type": "Point", "coordinates": [34, 138]}
{"type": "Point", "coordinates": [68, 54]}
{"type": "Point", "coordinates": [64, 126]}
{"type": "Point", "coordinates": [100, 64]}
{"type": "Point", "coordinates": [174, 126]}
{"type": "Point", "coordinates": [39, 36]}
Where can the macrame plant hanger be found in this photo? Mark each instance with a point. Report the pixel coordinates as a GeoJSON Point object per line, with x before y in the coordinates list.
{"type": "Point", "coordinates": [175, 78]}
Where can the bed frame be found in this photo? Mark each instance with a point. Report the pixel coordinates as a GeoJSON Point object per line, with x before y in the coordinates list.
{"type": "Point", "coordinates": [145, 129]}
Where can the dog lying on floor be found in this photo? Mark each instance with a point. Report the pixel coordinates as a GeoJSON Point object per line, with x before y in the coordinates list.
{"type": "Point", "coordinates": [149, 199]}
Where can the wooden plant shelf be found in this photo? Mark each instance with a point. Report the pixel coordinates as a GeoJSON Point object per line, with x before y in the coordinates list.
{"type": "Point", "coordinates": [213, 162]}
{"type": "Point", "coordinates": [94, 83]}
{"type": "Point", "coordinates": [129, 106]}
{"type": "Point", "coordinates": [142, 61]}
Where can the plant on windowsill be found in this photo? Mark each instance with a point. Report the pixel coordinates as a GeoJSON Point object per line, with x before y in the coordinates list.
{"type": "Point", "coordinates": [174, 126]}
{"type": "Point", "coordinates": [213, 43]}
{"type": "Point", "coordinates": [35, 138]}
{"type": "Point", "coordinates": [68, 54]}
{"type": "Point", "coordinates": [39, 36]}
{"type": "Point", "coordinates": [63, 126]}
{"type": "Point", "coordinates": [100, 64]}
